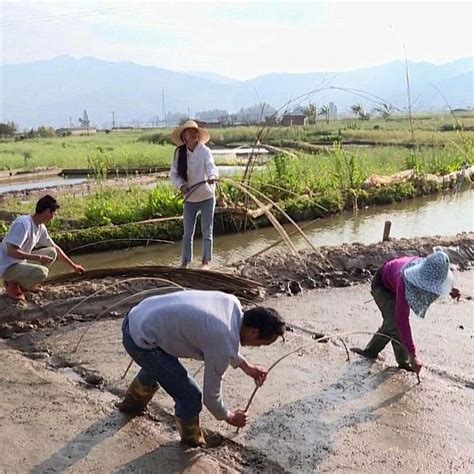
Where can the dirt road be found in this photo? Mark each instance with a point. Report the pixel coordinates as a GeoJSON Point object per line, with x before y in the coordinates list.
{"type": "Point", "coordinates": [316, 412]}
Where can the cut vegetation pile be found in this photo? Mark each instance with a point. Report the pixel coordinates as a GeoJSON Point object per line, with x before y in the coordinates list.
{"type": "Point", "coordinates": [111, 293]}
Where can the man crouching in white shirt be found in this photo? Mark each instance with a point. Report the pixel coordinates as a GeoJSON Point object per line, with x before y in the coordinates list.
{"type": "Point", "coordinates": [27, 251]}
{"type": "Point", "coordinates": [202, 325]}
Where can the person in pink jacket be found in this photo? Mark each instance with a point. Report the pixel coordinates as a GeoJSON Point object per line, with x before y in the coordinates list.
{"type": "Point", "coordinates": [402, 284]}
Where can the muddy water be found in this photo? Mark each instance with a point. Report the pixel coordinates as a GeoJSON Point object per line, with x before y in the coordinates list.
{"type": "Point", "coordinates": [442, 215]}
{"type": "Point", "coordinates": [241, 150]}
{"type": "Point", "coordinates": [39, 184]}
{"type": "Point", "coordinates": [57, 181]}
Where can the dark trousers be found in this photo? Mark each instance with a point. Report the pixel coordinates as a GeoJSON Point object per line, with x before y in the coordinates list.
{"type": "Point", "coordinates": [159, 367]}
{"type": "Point", "coordinates": [385, 300]}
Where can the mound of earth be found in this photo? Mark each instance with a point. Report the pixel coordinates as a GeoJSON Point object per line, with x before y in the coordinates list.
{"type": "Point", "coordinates": [345, 265]}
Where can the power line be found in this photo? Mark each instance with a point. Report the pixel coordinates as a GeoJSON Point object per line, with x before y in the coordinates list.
{"type": "Point", "coordinates": [67, 16]}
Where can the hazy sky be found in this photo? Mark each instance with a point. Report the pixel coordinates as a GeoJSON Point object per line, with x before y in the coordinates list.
{"type": "Point", "coordinates": [238, 39]}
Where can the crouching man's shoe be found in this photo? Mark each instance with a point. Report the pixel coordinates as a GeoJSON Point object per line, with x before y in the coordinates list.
{"type": "Point", "coordinates": [136, 398]}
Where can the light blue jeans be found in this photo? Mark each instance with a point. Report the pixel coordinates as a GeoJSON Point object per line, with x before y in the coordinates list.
{"type": "Point", "coordinates": [159, 367]}
{"type": "Point", "coordinates": [190, 213]}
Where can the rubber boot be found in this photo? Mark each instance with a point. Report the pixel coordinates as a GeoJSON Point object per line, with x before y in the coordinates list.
{"type": "Point", "coordinates": [190, 432]}
{"type": "Point", "coordinates": [136, 398]}
{"type": "Point", "coordinates": [363, 353]}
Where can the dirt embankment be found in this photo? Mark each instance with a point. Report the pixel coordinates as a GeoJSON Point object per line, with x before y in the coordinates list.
{"type": "Point", "coordinates": [110, 293]}
{"type": "Point", "coordinates": [345, 265]}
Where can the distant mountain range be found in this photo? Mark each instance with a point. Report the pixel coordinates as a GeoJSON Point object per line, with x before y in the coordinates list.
{"type": "Point", "coordinates": [51, 92]}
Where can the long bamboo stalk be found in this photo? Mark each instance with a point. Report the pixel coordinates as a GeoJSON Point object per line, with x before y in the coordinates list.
{"type": "Point", "coordinates": [303, 347]}
{"type": "Point", "coordinates": [269, 215]}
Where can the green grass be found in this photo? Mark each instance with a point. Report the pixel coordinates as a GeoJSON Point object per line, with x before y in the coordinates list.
{"type": "Point", "coordinates": [329, 178]}
{"type": "Point", "coordinates": [135, 148]}
{"type": "Point", "coordinates": [108, 205]}
{"type": "Point", "coordinates": [396, 130]}
{"type": "Point", "coordinates": [297, 183]}
{"type": "Point", "coordinates": [120, 150]}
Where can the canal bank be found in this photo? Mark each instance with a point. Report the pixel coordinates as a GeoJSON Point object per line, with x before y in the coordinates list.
{"type": "Point", "coordinates": [110, 292]}
{"type": "Point", "coordinates": [441, 215]}
{"type": "Point", "coordinates": [108, 225]}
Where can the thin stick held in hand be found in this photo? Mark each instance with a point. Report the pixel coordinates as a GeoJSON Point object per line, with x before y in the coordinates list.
{"type": "Point", "coordinates": [127, 369]}
{"type": "Point", "coordinates": [319, 339]}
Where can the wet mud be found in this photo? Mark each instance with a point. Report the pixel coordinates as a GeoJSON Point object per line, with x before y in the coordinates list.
{"type": "Point", "coordinates": [54, 421]}
{"type": "Point", "coordinates": [111, 292]}
{"type": "Point", "coordinates": [345, 265]}
{"type": "Point", "coordinates": [317, 411]}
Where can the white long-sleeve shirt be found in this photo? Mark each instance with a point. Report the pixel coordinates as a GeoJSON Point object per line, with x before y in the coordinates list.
{"type": "Point", "coordinates": [201, 325]}
{"type": "Point", "coordinates": [201, 167]}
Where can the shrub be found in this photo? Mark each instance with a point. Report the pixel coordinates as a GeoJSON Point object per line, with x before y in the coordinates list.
{"type": "Point", "coordinates": [114, 207]}
{"type": "Point", "coordinates": [162, 202]}
{"type": "Point", "coordinates": [3, 227]}
{"type": "Point", "coordinates": [7, 129]}
{"type": "Point", "coordinates": [389, 194]}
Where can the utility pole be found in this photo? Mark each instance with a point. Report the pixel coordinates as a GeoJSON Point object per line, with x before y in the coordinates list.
{"type": "Point", "coordinates": [70, 123]}
{"type": "Point", "coordinates": [163, 107]}
{"type": "Point", "coordinates": [188, 113]}
{"type": "Point", "coordinates": [113, 120]}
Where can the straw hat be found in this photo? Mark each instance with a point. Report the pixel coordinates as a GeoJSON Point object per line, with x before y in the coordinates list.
{"type": "Point", "coordinates": [204, 135]}
{"type": "Point", "coordinates": [426, 280]}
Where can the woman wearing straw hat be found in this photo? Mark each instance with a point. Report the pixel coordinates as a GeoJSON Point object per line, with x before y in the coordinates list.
{"type": "Point", "coordinates": [194, 173]}
{"type": "Point", "coordinates": [402, 284]}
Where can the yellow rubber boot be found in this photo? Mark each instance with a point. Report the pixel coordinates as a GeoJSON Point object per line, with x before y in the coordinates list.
{"type": "Point", "coordinates": [136, 398]}
{"type": "Point", "coordinates": [190, 432]}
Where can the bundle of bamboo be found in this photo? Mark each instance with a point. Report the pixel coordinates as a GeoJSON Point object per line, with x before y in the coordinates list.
{"type": "Point", "coordinates": [189, 278]}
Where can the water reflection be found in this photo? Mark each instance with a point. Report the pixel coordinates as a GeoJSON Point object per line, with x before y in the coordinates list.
{"type": "Point", "coordinates": [441, 215]}
{"type": "Point", "coordinates": [44, 183]}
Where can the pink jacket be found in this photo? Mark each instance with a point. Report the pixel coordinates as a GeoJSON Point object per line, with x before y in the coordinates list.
{"type": "Point", "coordinates": [392, 278]}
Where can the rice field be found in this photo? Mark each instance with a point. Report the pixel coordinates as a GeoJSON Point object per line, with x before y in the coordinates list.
{"type": "Point", "coordinates": [137, 148]}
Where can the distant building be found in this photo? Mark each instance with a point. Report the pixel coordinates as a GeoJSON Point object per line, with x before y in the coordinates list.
{"type": "Point", "coordinates": [288, 120]}
{"type": "Point", "coordinates": [125, 129]}
{"type": "Point", "coordinates": [217, 124]}
{"type": "Point", "coordinates": [65, 132]}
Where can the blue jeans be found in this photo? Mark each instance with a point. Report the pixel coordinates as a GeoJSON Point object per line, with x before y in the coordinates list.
{"type": "Point", "coordinates": [190, 213]}
{"type": "Point", "coordinates": [159, 367]}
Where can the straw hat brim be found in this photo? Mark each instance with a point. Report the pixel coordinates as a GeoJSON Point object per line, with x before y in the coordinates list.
{"type": "Point", "coordinates": [204, 135]}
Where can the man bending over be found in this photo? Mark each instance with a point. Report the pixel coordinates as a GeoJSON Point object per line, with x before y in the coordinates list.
{"type": "Point", "coordinates": [202, 325]}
